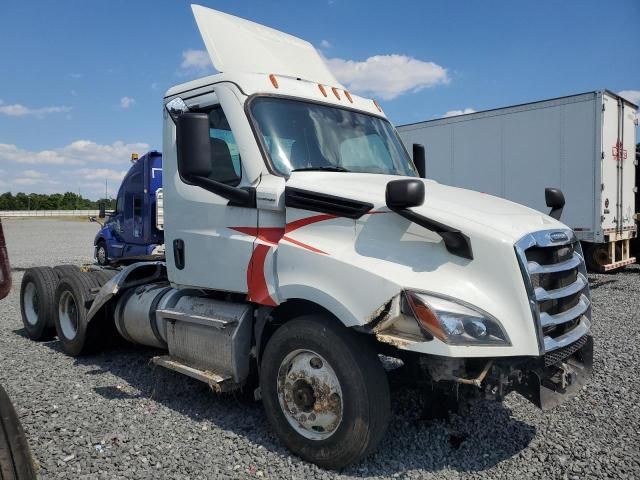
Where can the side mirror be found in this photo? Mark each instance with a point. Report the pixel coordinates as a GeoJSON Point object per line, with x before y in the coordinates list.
{"type": "Point", "coordinates": [194, 145]}
{"type": "Point", "coordinates": [419, 160]}
{"type": "Point", "coordinates": [403, 194]}
{"type": "Point", "coordinates": [555, 201]}
{"type": "Point", "coordinates": [102, 212]}
{"type": "Point", "coordinates": [194, 160]}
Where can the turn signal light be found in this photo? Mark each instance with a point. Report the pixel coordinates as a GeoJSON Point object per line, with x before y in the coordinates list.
{"type": "Point", "coordinates": [426, 317]}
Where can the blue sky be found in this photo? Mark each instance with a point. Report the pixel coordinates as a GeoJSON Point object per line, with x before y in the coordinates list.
{"type": "Point", "coordinates": [81, 81]}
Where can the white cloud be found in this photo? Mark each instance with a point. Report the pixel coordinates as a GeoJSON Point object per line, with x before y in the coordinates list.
{"type": "Point", "coordinates": [101, 174]}
{"type": "Point", "coordinates": [80, 166]}
{"type": "Point", "coordinates": [80, 152]}
{"type": "Point", "coordinates": [33, 174]}
{"type": "Point", "coordinates": [29, 181]}
{"type": "Point", "coordinates": [325, 44]}
{"type": "Point", "coordinates": [454, 113]}
{"type": "Point", "coordinates": [126, 102]}
{"type": "Point", "coordinates": [19, 110]}
{"type": "Point", "coordinates": [196, 61]}
{"type": "Point", "coordinates": [632, 95]}
{"type": "Point", "coordinates": [387, 76]}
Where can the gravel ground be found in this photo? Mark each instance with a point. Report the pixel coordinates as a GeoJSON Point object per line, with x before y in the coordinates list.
{"type": "Point", "coordinates": [116, 416]}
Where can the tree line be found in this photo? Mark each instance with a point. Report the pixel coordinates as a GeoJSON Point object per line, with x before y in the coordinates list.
{"type": "Point", "coordinates": [55, 201]}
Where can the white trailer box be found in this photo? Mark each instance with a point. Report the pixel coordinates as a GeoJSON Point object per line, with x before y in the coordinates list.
{"type": "Point", "coordinates": [583, 144]}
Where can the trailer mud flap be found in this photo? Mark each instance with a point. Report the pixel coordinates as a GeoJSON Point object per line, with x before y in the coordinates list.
{"type": "Point", "coordinates": [548, 387]}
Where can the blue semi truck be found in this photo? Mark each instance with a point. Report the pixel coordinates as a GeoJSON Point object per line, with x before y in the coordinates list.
{"type": "Point", "coordinates": [134, 230]}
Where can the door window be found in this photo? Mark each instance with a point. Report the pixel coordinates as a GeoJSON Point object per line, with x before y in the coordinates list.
{"type": "Point", "coordinates": [225, 156]}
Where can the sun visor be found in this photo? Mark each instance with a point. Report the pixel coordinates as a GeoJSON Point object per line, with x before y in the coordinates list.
{"type": "Point", "coordinates": [236, 45]}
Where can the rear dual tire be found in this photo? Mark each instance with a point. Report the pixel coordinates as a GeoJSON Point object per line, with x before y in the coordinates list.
{"type": "Point", "coordinates": [37, 302]}
{"type": "Point", "coordinates": [73, 298]}
{"type": "Point", "coordinates": [325, 391]}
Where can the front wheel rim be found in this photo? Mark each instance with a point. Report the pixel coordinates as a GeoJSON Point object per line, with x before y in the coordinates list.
{"type": "Point", "coordinates": [30, 302]}
{"type": "Point", "coordinates": [310, 394]}
{"type": "Point", "coordinates": [68, 315]}
{"type": "Point", "coordinates": [102, 255]}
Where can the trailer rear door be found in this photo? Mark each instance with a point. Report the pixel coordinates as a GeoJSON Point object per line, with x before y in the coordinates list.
{"type": "Point", "coordinates": [618, 168]}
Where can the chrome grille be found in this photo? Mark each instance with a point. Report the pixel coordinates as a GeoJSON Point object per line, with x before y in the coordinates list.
{"type": "Point", "coordinates": [556, 280]}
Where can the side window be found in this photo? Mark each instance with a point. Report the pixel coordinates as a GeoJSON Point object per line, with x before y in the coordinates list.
{"type": "Point", "coordinates": [226, 166]}
{"type": "Point", "coordinates": [137, 216]}
{"type": "Point", "coordinates": [120, 201]}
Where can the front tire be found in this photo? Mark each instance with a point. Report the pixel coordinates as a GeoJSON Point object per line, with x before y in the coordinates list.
{"type": "Point", "coordinates": [16, 462]}
{"type": "Point", "coordinates": [102, 256]}
{"type": "Point", "coordinates": [325, 391]}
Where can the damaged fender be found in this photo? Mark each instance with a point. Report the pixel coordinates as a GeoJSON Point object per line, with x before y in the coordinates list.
{"type": "Point", "coordinates": [140, 273]}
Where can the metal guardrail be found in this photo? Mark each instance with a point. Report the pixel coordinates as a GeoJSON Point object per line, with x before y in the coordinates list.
{"type": "Point", "coordinates": [48, 213]}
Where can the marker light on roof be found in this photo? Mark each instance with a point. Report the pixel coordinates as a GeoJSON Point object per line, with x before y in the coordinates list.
{"type": "Point", "coordinates": [335, 92]}
{"type": "Point", "coordinates": [348, 95]}
{"type": "Point", "coordinates": [377, 106]}
{"type": "Point", "coordinates": [321, 87]}
{"type": "Point", "coordinates": [274, 81]}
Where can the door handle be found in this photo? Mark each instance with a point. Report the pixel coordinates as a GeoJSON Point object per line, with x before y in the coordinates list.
{"type": "Point", "coordinates": [178, 253]}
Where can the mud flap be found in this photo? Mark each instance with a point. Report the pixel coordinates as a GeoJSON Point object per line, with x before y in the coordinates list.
{"type": "Point", "coordinates": [548, 387]}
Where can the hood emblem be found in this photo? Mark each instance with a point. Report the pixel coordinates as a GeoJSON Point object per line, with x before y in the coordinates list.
{"type": "Point", "coordinates": [558, 237]}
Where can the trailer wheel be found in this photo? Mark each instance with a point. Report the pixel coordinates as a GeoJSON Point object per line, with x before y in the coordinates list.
{"type": "Point", "coordinates": [596, 256]}
{"type": "Point", "coordinates": [102, 257]}
{"type": "Point", "coordinates": [73, 299]}
{"type": "Point", "coordinates": [63, 270]}
{"type": "Point", "coordinates": [16, 462]}
{"type": "Point", "coordinates": [325, 391]}
{"type": "Point", "coordinates": [37, 302]}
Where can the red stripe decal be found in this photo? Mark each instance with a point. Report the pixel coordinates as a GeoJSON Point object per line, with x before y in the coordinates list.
{"type": "Point", "coordinates": [290, 227]}
{"type": "Point", "coordinates": [258, 290]}
{"type": "Point", "coordinates": [303, 245]}
{"type": "Point", "coordinates": [271, 235]}
{"type": "Point", "coordinates": [256, 283]}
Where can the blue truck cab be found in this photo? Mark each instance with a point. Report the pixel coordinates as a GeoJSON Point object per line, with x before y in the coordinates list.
{"type": "Point", "coordinates": [132, 231]}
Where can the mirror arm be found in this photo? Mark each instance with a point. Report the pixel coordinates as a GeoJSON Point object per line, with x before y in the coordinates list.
{"type": "Point", "coordinates": [456, 242]}
{"type": "Point", "coordinates": [238, 197]}
{"type": "Point", "coordinates": [556, 213]}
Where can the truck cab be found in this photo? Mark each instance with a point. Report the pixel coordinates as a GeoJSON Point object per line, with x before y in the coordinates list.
{"type": "Point", "coordinates": [303, 244]}
{"type": "Point", "coordinates": [132, 230]}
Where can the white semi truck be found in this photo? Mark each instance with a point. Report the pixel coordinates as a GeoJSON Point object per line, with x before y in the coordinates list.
{"type": "Point", "coordinates": [583, 144]}
{"type": "Point", "coordinates": [303, 247]}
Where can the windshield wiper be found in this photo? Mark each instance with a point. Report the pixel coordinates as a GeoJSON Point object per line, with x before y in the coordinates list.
{"type": "Point", "coordinates": [322, 169]}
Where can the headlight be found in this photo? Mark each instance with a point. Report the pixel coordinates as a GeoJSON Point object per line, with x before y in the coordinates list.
{"type": "Point", "coordinates": [454, 322]}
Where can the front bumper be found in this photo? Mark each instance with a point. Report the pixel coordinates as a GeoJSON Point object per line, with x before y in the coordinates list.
{"type": "Point", "coordinates": [546, 381]}
{"type": "Point", "coordinates": [558, 375]}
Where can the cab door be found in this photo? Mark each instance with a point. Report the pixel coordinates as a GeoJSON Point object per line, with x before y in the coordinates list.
{"type": "Point", "coordinates": [209, 241]}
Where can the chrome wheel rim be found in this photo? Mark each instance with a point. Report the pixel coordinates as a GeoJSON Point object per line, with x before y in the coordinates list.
{"type": "Point", "coordinates": [30, 302]}
{"type": "Point", "coordinates": [68, 315]}
{"type": "Point", "coordinates": [310, 394]}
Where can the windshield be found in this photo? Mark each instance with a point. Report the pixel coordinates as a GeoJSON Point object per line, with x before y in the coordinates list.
{"type": "Point", "coordinates": [307, 136]}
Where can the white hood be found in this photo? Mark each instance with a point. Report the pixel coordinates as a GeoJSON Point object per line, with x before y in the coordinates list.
{"type": "Point", "coordinates": [236, 45]}
{"type": "Point", "coordinates": [455, 207]}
